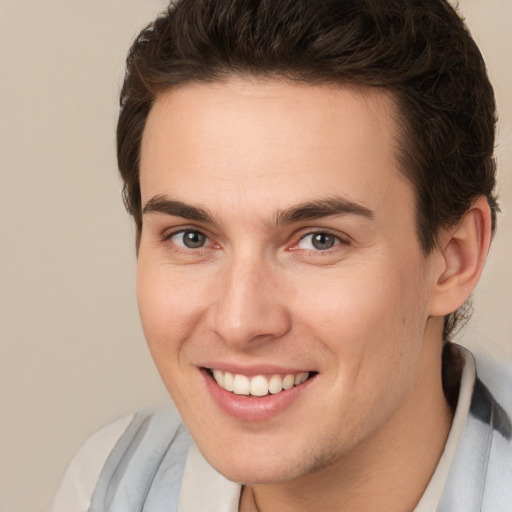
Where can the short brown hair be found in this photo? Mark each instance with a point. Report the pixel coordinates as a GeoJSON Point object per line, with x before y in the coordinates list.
{"type": "Point", "coordinates": [418, 50]}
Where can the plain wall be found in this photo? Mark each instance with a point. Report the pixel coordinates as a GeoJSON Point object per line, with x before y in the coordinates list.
{"type": "Point", "coordinates": [72, 351]}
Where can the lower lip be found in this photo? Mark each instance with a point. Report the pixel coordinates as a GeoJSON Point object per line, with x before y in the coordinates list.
{"type": "Point", "coordinates": [253, 409]}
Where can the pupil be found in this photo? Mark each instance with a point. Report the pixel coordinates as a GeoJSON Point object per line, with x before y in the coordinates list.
{"type": "Point", "coordinates": [193, 240]}
{"type": "Point", "coordinates": [323, 241]}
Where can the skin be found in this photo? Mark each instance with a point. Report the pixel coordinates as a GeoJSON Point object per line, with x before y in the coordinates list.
{"type": "Point", "coordinates": [366, 313]}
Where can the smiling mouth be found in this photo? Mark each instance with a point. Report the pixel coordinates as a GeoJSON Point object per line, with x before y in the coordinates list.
{"type": "Point", "coordinates": [259, 385]}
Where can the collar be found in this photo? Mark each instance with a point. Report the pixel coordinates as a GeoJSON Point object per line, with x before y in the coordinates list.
{"type": "Point", "coordinates": [432, 495]}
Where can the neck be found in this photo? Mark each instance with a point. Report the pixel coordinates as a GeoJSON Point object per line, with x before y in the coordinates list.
{"type": "Point", "coordinates": [387, 472]}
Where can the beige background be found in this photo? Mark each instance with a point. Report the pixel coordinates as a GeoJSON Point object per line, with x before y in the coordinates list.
{"type": "Point", "coordinates": [72, 352]}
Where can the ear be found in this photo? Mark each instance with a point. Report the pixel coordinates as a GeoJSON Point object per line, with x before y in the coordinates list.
{"type": "Point", "coordinates": [460, 258]}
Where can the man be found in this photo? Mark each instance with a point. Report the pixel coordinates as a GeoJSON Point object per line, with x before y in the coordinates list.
{"type": "Point", "coordinates": [313, 188]}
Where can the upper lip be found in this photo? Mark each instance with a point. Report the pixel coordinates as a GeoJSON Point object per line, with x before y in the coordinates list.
{"type": "Point", "coordinates": [255, 369]}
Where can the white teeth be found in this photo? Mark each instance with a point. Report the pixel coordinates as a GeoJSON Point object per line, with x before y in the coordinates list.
{"type": "Point", "coordinates": [219, 377]}
{"type": "Point", "coordinates": [301, 377]}
{"type": "Point", "coordinates": [275, 384]}
{"type": "Point", "coordinates": [258, 385]}
{"type": "Point", "coordinates": [241, 385]}
{"type": "Point", "coordinates": [228, 381]}
{"type": "Point", "coordinates": [288, 382]}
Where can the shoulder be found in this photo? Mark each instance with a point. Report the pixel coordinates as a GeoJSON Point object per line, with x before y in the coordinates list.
{"type": "Point", "coordinates": [125, 452]}
{"type": "Point", "coordinates": [482, 468]}
{"type": "Point", "coordinates": [496, 374]}
{"type": "Point", "coordinates": [76, 488]}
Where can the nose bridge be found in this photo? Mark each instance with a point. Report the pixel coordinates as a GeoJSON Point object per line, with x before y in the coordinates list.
{"type": "Point", "coordinates": [248, 306]}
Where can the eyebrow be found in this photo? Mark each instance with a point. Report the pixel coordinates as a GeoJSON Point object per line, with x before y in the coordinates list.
{"type": "Point", "coordinates": [162, 204]}
{"type": "Point", "coordinates": [330, 207]}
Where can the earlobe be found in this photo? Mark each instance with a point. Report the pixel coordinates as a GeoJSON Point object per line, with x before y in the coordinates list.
{"type": "Point", "coordinates": [462, 251]}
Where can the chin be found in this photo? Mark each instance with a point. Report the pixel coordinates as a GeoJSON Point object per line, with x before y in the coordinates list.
{"type": "Point", "coordinates": [267, 465]}
{"type": "Point", "coordinates": [253, 474]}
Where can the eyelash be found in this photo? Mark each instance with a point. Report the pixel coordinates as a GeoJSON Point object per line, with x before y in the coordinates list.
{"type": "Point", "coordinates": [338, 240]}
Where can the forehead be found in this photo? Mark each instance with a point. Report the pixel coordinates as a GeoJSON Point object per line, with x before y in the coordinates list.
{"type": "Point", "coordinates": [270, 144]}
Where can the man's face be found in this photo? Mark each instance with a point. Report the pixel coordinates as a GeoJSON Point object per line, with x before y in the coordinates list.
{"type": "Point", "coordinates": [279, 239]}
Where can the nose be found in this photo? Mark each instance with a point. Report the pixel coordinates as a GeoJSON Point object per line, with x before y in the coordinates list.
{"type": "Point", "coordinates": [249, 307]}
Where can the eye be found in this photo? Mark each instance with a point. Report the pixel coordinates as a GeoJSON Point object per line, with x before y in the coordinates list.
{"type": "Point", "coordinates": [318, 241]}
{"type": "Point", "coordinates": [189, 239]}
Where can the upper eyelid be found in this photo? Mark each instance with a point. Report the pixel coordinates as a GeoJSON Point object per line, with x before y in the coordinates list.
{"type": "Point", "coordinates": [170, 232]}
{"type": "Point", "coordinates": [343, 237]}
{"type": "Point", "coordinates": [311, 233]}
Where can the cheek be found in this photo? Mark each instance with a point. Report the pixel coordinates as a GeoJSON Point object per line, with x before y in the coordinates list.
{"type": "Point", "coordinates": [353, 303]}
{"type": "Point", "coordinates": [168, 307]}
{"type": "Point", "coordinates": [368, 318]}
